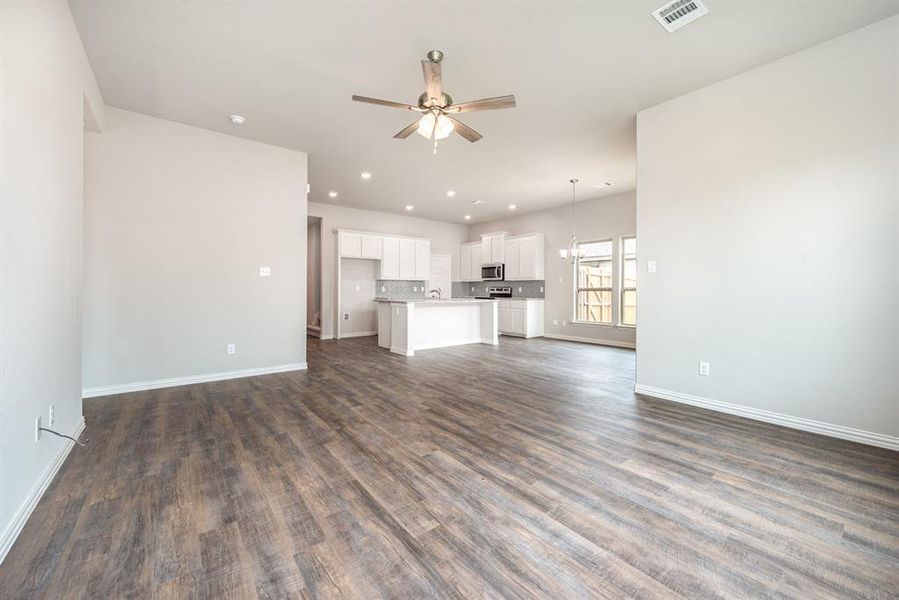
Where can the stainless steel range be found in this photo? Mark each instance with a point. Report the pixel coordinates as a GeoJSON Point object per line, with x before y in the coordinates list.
{"type": "Point", "coordinates": [497, 291]}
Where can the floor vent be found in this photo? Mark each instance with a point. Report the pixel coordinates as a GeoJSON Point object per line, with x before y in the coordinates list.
{"type": "Point", "coordinates": [675, 15]}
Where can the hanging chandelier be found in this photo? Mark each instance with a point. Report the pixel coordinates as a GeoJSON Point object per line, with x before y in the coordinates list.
{"type": "Point", "coordinates": [573, 251]}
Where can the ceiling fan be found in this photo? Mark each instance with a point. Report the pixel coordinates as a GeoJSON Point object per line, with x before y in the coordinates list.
{"type": "Point", "coordinates": [437, 108]}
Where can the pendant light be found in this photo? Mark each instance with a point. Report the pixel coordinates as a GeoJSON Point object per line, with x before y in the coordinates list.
{"type": "Point", "coordinates": [573, 251]}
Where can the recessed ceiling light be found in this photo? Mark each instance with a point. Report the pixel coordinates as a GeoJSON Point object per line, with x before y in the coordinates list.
{"type": "Point", "coordinates": [476, 201]}
{"type": "Point", "coordinates": [512, 207]}
{"type": "Point", "coordinates": [238, 119]}
{"type": "Point", "coordinates": [451, 193]}
{"type": "Point", "coordinates": [603, 184]}
{"type": "Point", "coordinates": [409, 207]}
{"type": "Point", "coordinates": [468, 217]}
{"type": "Point", "coordinates": [365, 175]}
{"type": "Point", "coordinates": [332, 194]}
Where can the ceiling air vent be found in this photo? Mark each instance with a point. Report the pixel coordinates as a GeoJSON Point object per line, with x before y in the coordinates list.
{"type": "Point", "coordinates": [675, 15]}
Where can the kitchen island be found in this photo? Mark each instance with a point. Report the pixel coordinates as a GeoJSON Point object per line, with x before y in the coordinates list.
{"type": "Point", "coordinates": [405, 326]}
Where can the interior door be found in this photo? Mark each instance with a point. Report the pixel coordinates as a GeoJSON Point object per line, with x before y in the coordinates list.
{"type": "Point", "coordinates": [441, 278]}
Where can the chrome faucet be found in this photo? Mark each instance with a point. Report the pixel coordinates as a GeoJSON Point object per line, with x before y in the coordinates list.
{"type": "Point", "coordinates": [439, 297]}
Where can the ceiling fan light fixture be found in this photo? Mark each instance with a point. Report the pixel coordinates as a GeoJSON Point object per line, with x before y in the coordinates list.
{"type": "Point", "coordinates": [426, 126]}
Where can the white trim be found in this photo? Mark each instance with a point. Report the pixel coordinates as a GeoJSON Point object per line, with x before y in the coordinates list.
{"type": "Point", "coordinates": [327, 337]}
{"type": "Point", "coordinates": [358, 334]}
{"type": "Point", "coordinates": [450, 344]}
{"type": "Point", "coordinates": [139, 386]}
{"type": "Point", "coordinates": [14, 528]}
{"type": "Point", "coordinates": [838, 431]}
{"type": "Point", "coordinates": [573, 338]}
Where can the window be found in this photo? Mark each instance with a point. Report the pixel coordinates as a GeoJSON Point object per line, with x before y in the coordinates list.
{"type": "Point", "coordinates": [629, 281]}
{"type": "Point", "coordinates": [593, 302]}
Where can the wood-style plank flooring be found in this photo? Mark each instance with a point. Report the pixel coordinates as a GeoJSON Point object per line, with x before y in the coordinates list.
{"type": "Point", "coordinates": [528, 470]}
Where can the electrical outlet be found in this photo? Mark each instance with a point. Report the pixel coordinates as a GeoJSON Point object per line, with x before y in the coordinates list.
{"type": "Point", "coordinates": [265, 271]}
{"type": "Point", "coordinates": [472, 288]}
{"type": "Point", "coordinates": [51, 416]}
{"type": "Point", "coordinates": [704, 368]}
{"type": "Point", "coordinates": [358, 287]}
{"type": "Point", "coordinates": [650, 266]}
{"type": "Point", "coordinates": [560, 280]}
{"type": "Point", "coordinates": [383, 288]}
{"type": "Point", "coordinates": [232, 349]}
{"type": "Point", "coordinates": [519, 289]}
{"type": "Point", "coordinates": [37, 429]}
{"type": "Point", "coordinates": [541, 289]}
{"type": "Point", "coordinates": [346, 316]}
{"type": "Point", "coordinates": [556, 322]}
{"type": "Point", "coordinates": [564, 322]}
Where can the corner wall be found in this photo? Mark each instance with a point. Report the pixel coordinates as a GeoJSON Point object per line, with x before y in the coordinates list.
{"type": "Point", "coordinates": [45, 85]}
{"type": "Point", "coordinates": [178, 221]}
{"type": "Point", "coordinates": [769, 201]}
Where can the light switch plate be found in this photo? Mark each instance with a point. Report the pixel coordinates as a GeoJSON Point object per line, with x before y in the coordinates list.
{"type": "Point", "coordinates": [358, 287]}
{"type": "Point", "coordinates": [650, 266]}
{"type": "Point", "coordinates": [704, 369]}
{"type": "Point", "coordinates": [232, 349]}
{"type": "Point", "coordinates": [265, 271]}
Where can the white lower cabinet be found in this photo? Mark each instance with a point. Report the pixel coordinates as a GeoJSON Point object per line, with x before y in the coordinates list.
{"type": "Point", "coordinates": [521, 317]}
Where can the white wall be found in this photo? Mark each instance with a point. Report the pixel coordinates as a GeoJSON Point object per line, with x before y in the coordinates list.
{"type": "Point", "coordinates": [45, 84]}
{"type": "Point", "coordinates": [359, 303]}
{"type": "Point", "coordinates": [769, 202]}
{"type": "Point", "coordinates": [611, 217]}
{"type": "Point", "coordinates": [178, 221]}
{"type": "Point", "coordinates": [445, 237]}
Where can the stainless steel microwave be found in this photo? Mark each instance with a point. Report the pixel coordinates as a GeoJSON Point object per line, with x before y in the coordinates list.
{"type": "Point", "coordinates": [494, 272]}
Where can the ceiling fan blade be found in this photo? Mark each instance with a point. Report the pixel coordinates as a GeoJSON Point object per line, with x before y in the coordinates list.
{"type": "Point", "coordinates": [433, 80]}
{"type": "Point", "coordinates": [464, 130]}
{"type": "Point", "coordinates": [483, 104]}
{"type": "Point", "coordinates": [384, 103]}
{"type": "Point", "coordinates": [406, 131]}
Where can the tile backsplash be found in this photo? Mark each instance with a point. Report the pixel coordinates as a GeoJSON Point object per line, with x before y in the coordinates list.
{"type": "Point", "coordinates": [399, 290]}
{"type": "Point", "coordinates": [520, 289]}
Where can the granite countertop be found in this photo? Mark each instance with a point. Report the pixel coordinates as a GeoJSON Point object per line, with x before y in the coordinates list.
{"type": "Point", "coordinates": [434, 300]}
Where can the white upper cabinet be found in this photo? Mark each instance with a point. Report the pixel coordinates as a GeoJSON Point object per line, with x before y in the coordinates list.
{"type": "Point", "coordinates": [493, 248]}
{"type": "Point", "coordinates": [401, 257]}
{"type": "Point", "coordinates": [350, 244]}
{"type": "Point", "coordinates": [525, 256]}
{"type": "Point", "coordinates": [422, 259]}
{"type": "Point", "coordinates": [370, 246]}
{"type": "Point", "coordinates": [407, 259]}
{"type": "Point", "coordinates": [390, 258]}
{"type": "Point", "coordinates": [475, 262]}
{"type": "Point", "coordinates": [512, 251]}
{"type": "Point", "coordinates": [470, 262]}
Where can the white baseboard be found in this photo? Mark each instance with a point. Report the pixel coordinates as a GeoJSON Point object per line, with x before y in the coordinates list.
{"type": "Point", "coordinates": [583, 340]}
{"type": "Point", "coordinates": [139, 386]}
{"type": "Point", "coordinates": [358, 334]}
{"type": "Point", "coordinates": [326, 337]}
{"type": "Point", "coordinates": [828, 429]}
{"type": "Point", "coordinates": [9, 535]}
{"type": "Point", "coordinates": [448, 345]}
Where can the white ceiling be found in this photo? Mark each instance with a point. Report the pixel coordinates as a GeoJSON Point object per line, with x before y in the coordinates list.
{"type": "Point", "coordinates": [579, 71]}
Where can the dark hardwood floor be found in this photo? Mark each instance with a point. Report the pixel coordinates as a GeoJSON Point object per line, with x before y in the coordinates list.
{"type": "Point", "coordinates": [528, 470]}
